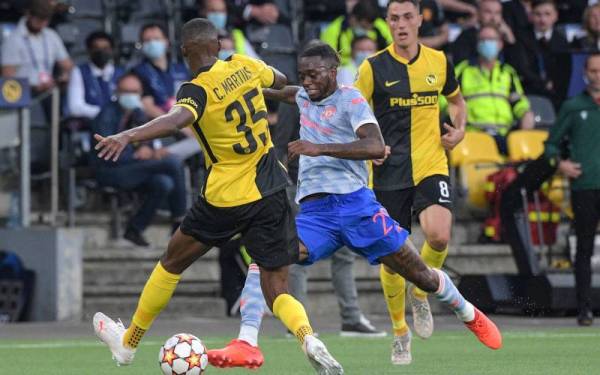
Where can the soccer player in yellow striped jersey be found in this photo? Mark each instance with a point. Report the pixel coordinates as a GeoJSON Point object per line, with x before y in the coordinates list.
{"type": "Point", "coordinates": [244, 192]}
{"type": "Point", "coordinates": [403, 83]}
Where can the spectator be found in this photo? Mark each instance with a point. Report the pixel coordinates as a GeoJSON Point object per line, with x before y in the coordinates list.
{"type": "Point", "coordinates": [542, 54]}
{"type": "Point", "coordinates": [577, 124]}
{"type": "Point", "coordinates": [34, 51]}
{"type": "Point", "coordinates": [363, 20]}
{"type": "Point", "coordinates": [160, 77]}
{"type": "Point", "coordinates": [489, 13]}
{"type": "Point", "coordinates": [362, 47]}
{"type": "Point", "coordinates": [216, 12]}
{"type": "Point", "coordinates": [93, 83]}
{"type": "Point", "coordinates": [492, 90]}
{"type": "Point", "coordinates": [461, 11]}
{"type": "Point", "coordinates": [434, 29]}
{"type": "Point", "coordinates": [139, 167]}
{"type": "Point", "coordinates": [262, 12]}
{"type": "Point", "coordinates": [591, 24]}
{"type": "Point", "coordinates": [517, 14]}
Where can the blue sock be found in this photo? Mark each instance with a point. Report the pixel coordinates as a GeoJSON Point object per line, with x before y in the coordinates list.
{"type": "Point", "coordinates": [252, 307]}
{"type": "Point", "coordinates": [451, 297]}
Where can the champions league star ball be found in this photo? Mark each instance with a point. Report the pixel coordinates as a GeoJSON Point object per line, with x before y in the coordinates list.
{"type": "Point", "coordinates": [183, 354]}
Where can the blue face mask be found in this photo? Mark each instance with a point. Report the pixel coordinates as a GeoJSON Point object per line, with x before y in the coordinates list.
{"type": "Point", "coordinates": [154, 49]}
{"type": "Point", "coordinates": [488, 49]}
{"type": "Point", "coordinates": [359, 31]}
{"type": "Point", "coordinates": [360, 56]}
{"type": "Point", "coordinates": [130, 101]}
{"type": "Point", "coordinates": [225, 53]}
{"type": "Point", "coordinates": [218, 19]}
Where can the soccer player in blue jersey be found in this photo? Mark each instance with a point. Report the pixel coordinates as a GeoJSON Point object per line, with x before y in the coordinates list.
{"type": "Point", "coordinates": [338, 134]}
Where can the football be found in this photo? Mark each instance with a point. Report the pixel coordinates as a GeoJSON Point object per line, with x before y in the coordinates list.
{"type": "Point", "coordinates": [183, 354]}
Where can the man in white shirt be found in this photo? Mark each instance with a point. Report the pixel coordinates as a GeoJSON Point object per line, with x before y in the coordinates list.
{"type": "Point", "coordinates": [32, 50]}
{"type": "Point", "coordinates": [93, 83]}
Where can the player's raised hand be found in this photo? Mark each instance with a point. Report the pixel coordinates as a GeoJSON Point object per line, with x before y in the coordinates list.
{"type": "Point", "coordinates": [111, 147]}
{"type": "Point", "coordinates": [452, 137]}
{"type": "Point", "coordinates": [378, 162]}
{"type": "Point", "coordinates": [297, 148]}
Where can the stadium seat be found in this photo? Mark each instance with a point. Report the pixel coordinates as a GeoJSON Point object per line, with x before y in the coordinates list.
{"type": "Point", "coordinates": [475, 147]}
{"type": "Point", "coordinates": [87, 8]}
{"type": "Point", "coordinates": [543, 111]}
{"type": "Point", "coordinates": [476, 157]}
{"type": "Point", "coordinates": [576, 82]}
{"type": "Point", "coordinates": [526, 144]}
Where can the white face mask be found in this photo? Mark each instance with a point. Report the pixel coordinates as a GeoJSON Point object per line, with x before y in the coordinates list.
{"type": "Point", "coordinates": [130, 101]}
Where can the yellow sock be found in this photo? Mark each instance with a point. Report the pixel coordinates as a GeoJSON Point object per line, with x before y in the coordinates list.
{"type": "Point", "coordinates": [292, 315]}
{"type": "Point", "coordinates": [393, 291]}
{"type": "Point", "coordinates": [433, 258]}
{"type": "Point", "coordinates": [155, 296]}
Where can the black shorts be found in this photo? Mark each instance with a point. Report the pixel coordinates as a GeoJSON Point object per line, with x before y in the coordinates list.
{"type": "Point", "coordinates": [401, 204]}
{"type": "Point", "coordinates": [267, 227]}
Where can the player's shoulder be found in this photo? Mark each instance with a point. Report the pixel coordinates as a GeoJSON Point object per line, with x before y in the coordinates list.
{"type": "Point", "coordinates": [377, 55]}
{"type": "Point", "coordinates": [350, 96]}
{"type": "Point", "coordinates": [432, 53]}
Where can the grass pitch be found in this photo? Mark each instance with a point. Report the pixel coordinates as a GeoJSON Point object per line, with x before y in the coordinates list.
{"type": "Point", "coordinates": [543, 352]}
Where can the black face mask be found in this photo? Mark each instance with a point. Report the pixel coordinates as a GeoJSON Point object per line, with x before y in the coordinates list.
{"type": "Point", "coordinates": [100, 57]}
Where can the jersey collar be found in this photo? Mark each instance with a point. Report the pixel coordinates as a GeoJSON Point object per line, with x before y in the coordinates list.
{"type": "Point", "coordinates": [392, 52]}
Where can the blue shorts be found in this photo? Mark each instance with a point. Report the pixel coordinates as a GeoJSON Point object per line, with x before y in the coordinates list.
{"type": "Point", "coordinates": [356, 220]}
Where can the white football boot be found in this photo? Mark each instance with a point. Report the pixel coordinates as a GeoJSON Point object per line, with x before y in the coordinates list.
{"type": "Point", "coordinates": [111, 333]}
{"type": "Point", "coordinates": [401, 349]}
{"type": "Point", "coordinates": [319, 357]}
{"type": "Point", "coordinates": [421, 312]}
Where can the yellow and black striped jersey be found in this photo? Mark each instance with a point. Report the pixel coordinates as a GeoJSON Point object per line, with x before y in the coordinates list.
{"type": "Point", "coordinates": [404, 96]}
{"type": "Point", "coordinates": [231, 125]}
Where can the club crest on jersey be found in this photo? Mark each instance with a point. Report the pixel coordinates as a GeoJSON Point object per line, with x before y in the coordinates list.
{"type": "Point", "coordinates": [431, 79]}
{"type": "Point", "coordinates": [328, 112]}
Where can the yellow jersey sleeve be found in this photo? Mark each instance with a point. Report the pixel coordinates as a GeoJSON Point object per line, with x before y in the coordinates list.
{"type": "Point", "coordinates": [193, 98]}
{"type": "Point", "coordinates": [451, 87]}
{"type": "Point", "coordinates": [364, 81]}
{"type": "Point", "coordinates": [263, 71]}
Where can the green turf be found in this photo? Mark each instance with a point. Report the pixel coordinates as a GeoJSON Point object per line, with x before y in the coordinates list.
{"type": "Point", "coordinates": [544, 352]}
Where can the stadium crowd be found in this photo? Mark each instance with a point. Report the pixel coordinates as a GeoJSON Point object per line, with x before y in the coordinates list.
{"type": "Point", "coordinates": [117, 64]}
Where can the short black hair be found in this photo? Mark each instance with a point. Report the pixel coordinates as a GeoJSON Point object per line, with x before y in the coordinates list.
{"type": "Point", "coordinates": [129, 74]}
{"type": "Point", "coordinates": [153, 25]}
{"type": "Point", "coordinates": [359, 39]}
{"type": "Point", "coordinates": [537, 3]}
{"type": "Point", "coordinates": [414, 2]}
{"type": "Point", "coordinates": [95, 35]}
{"type": "Point", "coordinates": [323, 50]}
{"type": "Point", "coordinates": [365, 10]}
{"type": "Point", "coordinates": [198, 28]}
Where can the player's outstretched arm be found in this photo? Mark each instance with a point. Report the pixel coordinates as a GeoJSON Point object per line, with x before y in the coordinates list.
{"type": "Point", "coordinates": [162, 126]}
{"type": "Point", "coordinates": [369, 146]}
{"type": "Point", "coordinates": [287, 94]}
{"type": "Point", "coordinates": [280, 79]}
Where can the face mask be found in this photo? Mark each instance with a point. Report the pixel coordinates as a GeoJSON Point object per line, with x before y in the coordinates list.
{"type": "Point", "coordinates": [100, 57]}
{"type": "Point", "coordinates": [218, 19]}
{"type": "Point", "coordinates": [154, 49]}
{"type": "Point", "coordinates": [360, 56]}
{"type": "Point", "coordinates": [130, 101]}
{"type": "Point", "coordinates": [488, 49]}
{"type": "Point", "coordinates": [359, 31]}
{"type": "Point", "coordinates": [225, 53]}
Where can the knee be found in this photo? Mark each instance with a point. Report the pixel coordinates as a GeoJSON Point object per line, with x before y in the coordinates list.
{"type": "Point", "coordinates": [162, 183]}
{"type": "Point", "coordinates": [438, 239]}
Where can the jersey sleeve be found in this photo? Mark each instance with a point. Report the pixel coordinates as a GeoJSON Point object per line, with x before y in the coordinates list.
{"type": "Point", "coordinates": [364, 80]}
{"type": "Point", "coordinates": [264, 71]}
{"type": "Point", "coordinates": [358, 110]}
{"type": "Point", "coordinates": [193, 98]}
{"type": "Point", "coordinates": [451, 86]}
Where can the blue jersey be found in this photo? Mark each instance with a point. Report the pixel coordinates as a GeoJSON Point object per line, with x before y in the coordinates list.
{"type": "Point", "coordinates": [334, 119]}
